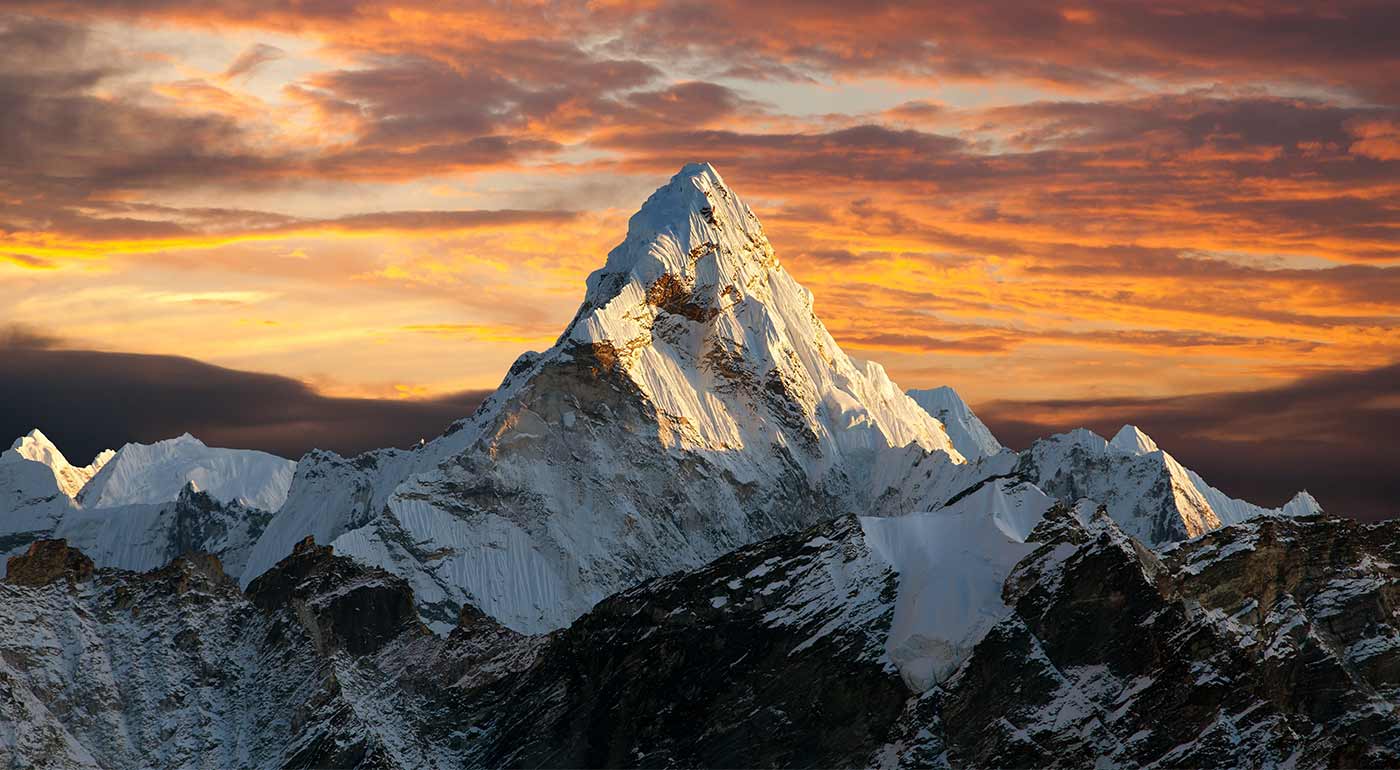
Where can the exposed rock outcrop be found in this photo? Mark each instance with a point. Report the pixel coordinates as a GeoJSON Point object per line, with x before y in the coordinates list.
{"type": "Point", "coordinates": [343, 605]}
{"type": "Point", "coordinates": [48, 561]}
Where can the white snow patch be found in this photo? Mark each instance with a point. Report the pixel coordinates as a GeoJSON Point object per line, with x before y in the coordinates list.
{"type": "Point", "coordinates": [952, 564]}
{"type": "Point", "coordinates": [155, 473]}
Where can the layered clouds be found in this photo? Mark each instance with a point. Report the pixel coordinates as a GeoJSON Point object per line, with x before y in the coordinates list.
{"type": "Point", "coordinates": [1074, 202]}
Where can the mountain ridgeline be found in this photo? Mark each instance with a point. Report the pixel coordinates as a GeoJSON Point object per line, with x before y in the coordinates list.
{"type": "Point", "coordinates": [692, 532]}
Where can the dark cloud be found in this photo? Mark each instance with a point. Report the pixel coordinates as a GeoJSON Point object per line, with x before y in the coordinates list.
{"type": "Point", "coordinates": [253, 57]}
{"type": "Point", "coordinates": [25, 337]}
{"type": "Point", "coordinates": [87, 401]}
{"type": "Point", "coordinates": [690, 103]}
{"type": "Point", "coordinates": [1332, 434]}
{"type": "Point", "coordinates": [1343, 44]}
{"type": "Point", "coordinates": [79, 137]}
{"type": "Point", "coordinates": [1348, 44]}
{"type": "Point", "coordinates": [64, 141]}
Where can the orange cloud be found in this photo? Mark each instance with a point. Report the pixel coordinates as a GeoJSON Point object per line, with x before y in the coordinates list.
{"type": "Point", "coordinates": [1099, 222]}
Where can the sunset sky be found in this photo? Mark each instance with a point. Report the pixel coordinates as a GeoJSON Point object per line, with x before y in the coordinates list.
{"type": "Point", "coordinates": [1072, 211]}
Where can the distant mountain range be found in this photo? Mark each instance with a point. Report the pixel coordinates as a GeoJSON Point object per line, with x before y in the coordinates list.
{"type": "Point", "coordinates": [694, 531]}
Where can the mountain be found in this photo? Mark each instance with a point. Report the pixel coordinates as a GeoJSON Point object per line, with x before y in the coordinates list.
{"type": "Point", "coordinates": [970, 436]}
{"type": "Point", "coordinates": [693, 532]}
{"type": "Point", "coordinates": [1227, 510]}
{"type": "Point", "coordinates": [31, 500]}
{"type": "Point", "coordinates": [1146, 491]}
{"type": "Point", "coordinates": [1266, 644]}
{"type": "Point", "coordinates": [694, 404]}
{"type": "Point", "coordinates": [154, 473]}
{"type": "Point", "coordinates": [143, 505]}
{"type": "Point", "coordinates": [36, 447]}
{"type": "Point", "coordinates": [144, 536]}
{"type": "Point", "coordinates": [178, 668]}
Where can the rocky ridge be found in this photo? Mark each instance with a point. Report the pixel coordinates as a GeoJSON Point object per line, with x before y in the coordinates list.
{"type": "Point", "coordinates": [1269, 643]}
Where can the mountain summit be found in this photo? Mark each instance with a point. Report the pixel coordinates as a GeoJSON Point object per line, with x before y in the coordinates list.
{"type": "Point", "coordinates": [36, 447]}
{"type": "Point", "coordinates": [972, 438]}
{"type": "Point", "coordinates": [694, 404]}
{"type": "Point", "coordinates": [695, 310]}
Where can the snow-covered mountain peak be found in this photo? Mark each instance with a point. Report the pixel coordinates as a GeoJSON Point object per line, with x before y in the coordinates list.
{"type": "Point", "coordinates": [156, 473]}
{"type": "Point", "coordinates": [692, 227]}
{"type": "Point", "coordinates": [694, 308]}
{"type": "Point", "coordinates": [1132, 440]}
{"type": "Point", "coordinates": [1302, 504]}
{"type": "Point", "coordinates": [693, 249]}
{"type": "Point", "coordinates": [694, 404]}
{"type": "Point", "coordinates": [970, 435]}
{"type": "Point", "coordinates": [36, 447]}
{"type": "Point", "coordinates": [1145, 489]}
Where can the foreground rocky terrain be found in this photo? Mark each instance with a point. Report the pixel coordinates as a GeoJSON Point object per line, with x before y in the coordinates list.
{"type": "Point", "coordinates": [1268, 643]}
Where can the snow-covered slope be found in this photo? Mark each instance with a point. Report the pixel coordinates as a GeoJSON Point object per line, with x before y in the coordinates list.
{"type": "Point", "coordinates": [951, 566]}
{"type": "Point", "coordinates": [1147, 492]}
{"type": "Point", "coordinates": [31, 503]}
{"type": "Point", "coordinates": [144, 536]}
{"type": "Point", "coordinates": [693, 405]}
{"type": "Point", "coordinates": [970, 436]}
{"type": "Point", "coordinates": [330, 495]}
{"type": "Point", "coordinates": [155, 473]}
{"type": "Point", "coordinates": [176, 668]}
{"type": "Point", "coordinates": [36, 446]}
{"type": "Point", "coordinates": [132, 516]}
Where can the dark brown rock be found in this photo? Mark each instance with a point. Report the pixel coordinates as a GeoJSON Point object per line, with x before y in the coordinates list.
{"type": "Point", "coordinates": [48, 561]}
{"type": "Point", "coordinates": [343, 605]}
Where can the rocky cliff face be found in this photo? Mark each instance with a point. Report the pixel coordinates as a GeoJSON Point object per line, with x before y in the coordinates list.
{"type": "Point", "coordinates": [49, 561]}
{"type": "Point", "coordinates": [176, 668]}
{"type": "Point", "coordinates": [772, 656]}
{"type": "Point", "coordinates": [340, 604]}
{"type": "Point", "coordinates": [1271, 643]}
{"type": "Point", "coordinates": [1113, 654]}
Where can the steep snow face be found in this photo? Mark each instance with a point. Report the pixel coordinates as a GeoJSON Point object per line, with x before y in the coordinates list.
{"type": "Point", "coordinates": [952, 564]}
{"type": "Point", "coordinates": [695, 404]}
{"type": "Point", "coordinates": [155, 473]}
{"type": "Point", "coordinates": [144, 536]}
{"type": "Point", "coordinates": [329, 495]}
{"type": "Point", "coordinates": [37, 447]}
{"type": "Point", "coordinates": [1150, 495]}
{"type": "Point", "coordinates": [1132, 440]}
{"type": "Point", "coordinates": [1146, 491]}
{"type": "Point", "coordinates": [31, 503]}
{"type": "Point", "coordinates": [970, 436]}
{"type": "Point", "coordinates": [695, 308]}
{"type": "Point", "coordinates": [1227, 509]}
